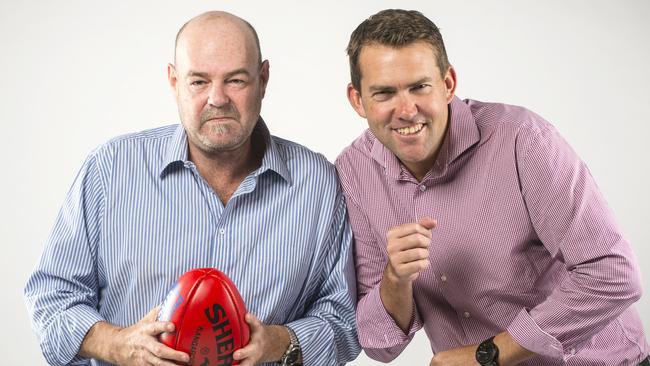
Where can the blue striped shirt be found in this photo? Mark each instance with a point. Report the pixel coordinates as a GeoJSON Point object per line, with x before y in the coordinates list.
{"type": "Point", "coordinates": [139, 215]}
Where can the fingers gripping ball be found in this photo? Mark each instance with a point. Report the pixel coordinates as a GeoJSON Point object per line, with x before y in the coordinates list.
{"type": "Point", "coordinates": [208, 313]}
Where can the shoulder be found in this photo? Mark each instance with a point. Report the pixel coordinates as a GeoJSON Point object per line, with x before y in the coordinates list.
{"type": "Point", "coordinates": [358, 152]}
{"type": "Point", "coordinates": [506, 118]}
{"type": "Point", "coordinates": [520, 130]}
{"type": "Point", "coordinates": [355, 164]}
{"type": "Point", "coordinates": [139, 139]}
{"type": "Point", "coordinates": [139, 150]}
{"type": "Point", "coordinates": [303, 163]}
{"type": "Point", "coordinates": [142, 139]}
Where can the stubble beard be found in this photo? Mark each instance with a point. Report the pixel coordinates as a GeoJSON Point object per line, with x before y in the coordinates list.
{"type": "Point", "coordinates": [205, 138]}
{"type": "Point", "coordinates": [211, 146]}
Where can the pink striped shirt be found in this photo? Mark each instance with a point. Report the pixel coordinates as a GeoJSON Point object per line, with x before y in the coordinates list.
{"type": "Point", "coordinates": [525, 242]}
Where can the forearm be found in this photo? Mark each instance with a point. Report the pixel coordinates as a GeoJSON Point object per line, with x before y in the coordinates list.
{"type": "Point", "coordinates": [573, 221]}
{"type": "Point", "coordinates": [326, 331]}
{"type": "Point", "coordinates": [379, 334]}
{"type": "Point", "coordinates": [397, 298]}
{"type": "Point", "coordinates": [279, 342]}
{"type": "Point", "coordinates": [52, 324]}
{"type": "Point", "coordinates": [510, 353]}
{"type": "Point", "coordinates": [590, 299]}
{"type": "Point", "coordinates": [98, 342]}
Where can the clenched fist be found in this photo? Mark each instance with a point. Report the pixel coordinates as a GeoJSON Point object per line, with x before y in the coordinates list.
{"type": "Point", "coordinates": [408, 250]}
{"type": "Point", "coordinates": [408, 254]}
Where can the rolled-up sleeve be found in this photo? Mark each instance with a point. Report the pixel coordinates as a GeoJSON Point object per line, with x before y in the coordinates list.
{"type": "Point", "coordinates": [575, 224]}
{"type": "Point", "coordinates": [327, 331]}
{"type": "Point", "coordinates": [62, 291]}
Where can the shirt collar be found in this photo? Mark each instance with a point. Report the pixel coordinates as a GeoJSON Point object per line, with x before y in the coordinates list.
{"type": "Point", "coordinates": [273, 160]}
{"type": "Point", "coordinates": [176, 154]}
{"type": "Point", "coordinates": [462, 133]}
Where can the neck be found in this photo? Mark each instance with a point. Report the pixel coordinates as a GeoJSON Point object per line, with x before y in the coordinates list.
{"type": "Point", "coordinates": [420, 169]}
{"type": "Point", "coordinates": [225, 170]}
{"type": "Point", "coordinates": [223, 163]}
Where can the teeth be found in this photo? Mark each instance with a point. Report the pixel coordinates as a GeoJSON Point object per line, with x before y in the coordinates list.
{"type": "Point", "coordinates": [410, 130]}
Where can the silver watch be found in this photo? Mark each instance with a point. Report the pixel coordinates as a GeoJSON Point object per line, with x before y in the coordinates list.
{"type": "Point", "coordinates": [293, 352]}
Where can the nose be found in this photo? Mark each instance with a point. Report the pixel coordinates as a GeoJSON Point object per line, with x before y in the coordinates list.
{"type": "Point", "coordinates": [407, 108]}
{"type": "Point", "coordinates": [217, 96]}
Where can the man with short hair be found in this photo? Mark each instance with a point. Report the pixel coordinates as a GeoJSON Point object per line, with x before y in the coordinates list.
{"type": "Point", "coordinates": [475, 221]}
{"type": "Point", "coordinates": [217, 191]}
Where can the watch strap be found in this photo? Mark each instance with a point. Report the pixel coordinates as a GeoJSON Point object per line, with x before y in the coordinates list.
{"type": "Point", "coordinates": [293, 352]}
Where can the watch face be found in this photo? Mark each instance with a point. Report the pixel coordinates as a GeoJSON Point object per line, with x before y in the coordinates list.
{"type": "Point", "coordinates": [292, 356]}
{"type": "Point", "coordinates": [486, 353]}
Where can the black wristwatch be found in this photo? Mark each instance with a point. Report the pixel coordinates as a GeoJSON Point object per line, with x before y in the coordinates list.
{"type": "Point", "coordinates": [293, 352]}
{"type": "Point", "coordinates": [487, 353]}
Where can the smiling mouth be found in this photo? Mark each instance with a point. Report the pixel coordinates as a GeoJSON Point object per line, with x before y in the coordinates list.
{"type": "Point", "coordinates": [405, 131]}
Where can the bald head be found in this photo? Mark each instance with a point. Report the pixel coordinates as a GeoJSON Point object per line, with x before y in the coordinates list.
{"type": "Point", "coordinates": [221, 23]}
{"type": "Point", "coordinates": [219, 82]}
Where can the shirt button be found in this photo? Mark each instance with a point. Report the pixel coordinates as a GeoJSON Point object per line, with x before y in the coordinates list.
{"type": "Point", "coordinates": [422, 188]}
{"type": "Point", "coordinates": [467, 315]}
{"type": "Point", "coordinates": [443, 278]}
{"type": "Point", "coordinates": [222, 231]}
{"type": "Point", "coordinates": [572, 351]}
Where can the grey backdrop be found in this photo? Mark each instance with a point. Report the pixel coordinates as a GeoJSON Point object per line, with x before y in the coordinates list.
{"type": "Point", "coordinates": [75, 73]}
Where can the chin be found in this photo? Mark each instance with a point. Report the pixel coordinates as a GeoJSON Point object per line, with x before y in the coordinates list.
{"type": "Point", "coordinates": [413, 158]}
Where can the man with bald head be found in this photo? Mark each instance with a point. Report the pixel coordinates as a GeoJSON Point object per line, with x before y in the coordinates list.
{"type": "Point", "coordinates": [215, 191]}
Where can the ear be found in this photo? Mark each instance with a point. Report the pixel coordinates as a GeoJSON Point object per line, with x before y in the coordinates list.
{"type": "Point", "coordinates": [355, 100]}
{"type": "Point", "coordinates": [450, 83]}
{"type": "Point", "coordinates": [172, 78]}
{"type": "Point", "coordinates": [264, 76]}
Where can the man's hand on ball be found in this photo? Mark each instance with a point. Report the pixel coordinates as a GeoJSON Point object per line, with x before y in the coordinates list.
{"type": "Point", "coordinates": [267, 343]}
{"type": "Point", "coordinates": [139, 345]}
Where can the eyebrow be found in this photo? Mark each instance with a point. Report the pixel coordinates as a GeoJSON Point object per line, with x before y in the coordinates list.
{"type": "Point", "coordinates": [423, 80]}
{"type": "Point", "coordinates": [197, 74]}
{"type": "Point", "coordinates": [238, 71]}
{"type": "Point", "coordinates": [374, 88]}
{"type": "Point", "coordinates": [205, 75]}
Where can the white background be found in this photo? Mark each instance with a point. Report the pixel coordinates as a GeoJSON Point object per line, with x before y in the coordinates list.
{"type": "Point", "coordinates": [76, 73]}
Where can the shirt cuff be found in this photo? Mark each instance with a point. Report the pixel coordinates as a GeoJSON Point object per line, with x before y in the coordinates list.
{"type": "Point", "coordinates": [529, 335]}
{"type": "Point", "coordinates": [61, 349]}
{"type": "Point", "coordinates": [314, 339]}
{"type": "Point", "coordinates": [377, 329]}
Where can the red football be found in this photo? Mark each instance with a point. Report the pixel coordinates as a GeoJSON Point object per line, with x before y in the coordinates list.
{"type": "Point", "coordinates": [208, 313]}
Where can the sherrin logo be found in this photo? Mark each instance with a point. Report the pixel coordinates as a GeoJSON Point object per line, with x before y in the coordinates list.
{"type": "Point", "coordinates": [222, 333]}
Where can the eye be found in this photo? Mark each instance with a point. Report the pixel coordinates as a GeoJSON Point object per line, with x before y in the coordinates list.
{"type": "Point", "coordinates": [198, 82]}
{"type": "Point", "coordinates": [236, 81]}
{"type": "Point", "coordinates": [382, 95]}
{"type": "Point", "coordinates": [420, 87]}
